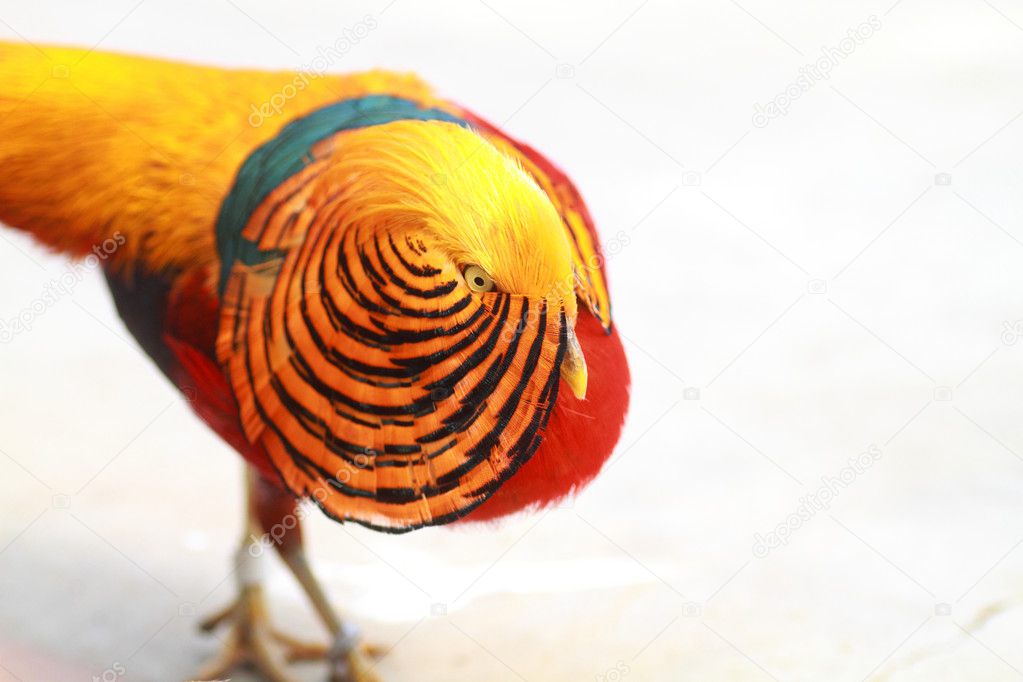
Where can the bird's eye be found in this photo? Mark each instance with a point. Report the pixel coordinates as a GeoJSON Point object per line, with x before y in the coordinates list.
{"type": "Point", "coordinates": [478, 279]}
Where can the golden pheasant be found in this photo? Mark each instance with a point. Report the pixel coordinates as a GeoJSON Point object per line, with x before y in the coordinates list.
{"type": "Point", "coordinates": [371, 293]}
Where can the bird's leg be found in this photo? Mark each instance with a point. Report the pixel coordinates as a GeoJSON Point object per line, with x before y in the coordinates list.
{"type": "Point", "coordinates": [347, 658]}
{"type": "Point", "coordinates": [273, 518]}
{"type": "Point", "coordinates": [248, 641]}
{"type": "Point", "coordinates": [279, 516]}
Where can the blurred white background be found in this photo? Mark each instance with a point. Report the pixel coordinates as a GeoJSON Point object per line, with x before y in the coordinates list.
{"type": "Point", "coordinates": [796, 289]}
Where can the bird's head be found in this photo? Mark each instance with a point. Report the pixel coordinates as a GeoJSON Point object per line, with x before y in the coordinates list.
{"type": "Point", "coordinates": [447, 185]}
{"type": "Point", "coordinates": [398, 314]}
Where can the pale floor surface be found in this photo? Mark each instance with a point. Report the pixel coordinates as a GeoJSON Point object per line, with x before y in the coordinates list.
{"type": "Point", "coordinates": [843, 280]}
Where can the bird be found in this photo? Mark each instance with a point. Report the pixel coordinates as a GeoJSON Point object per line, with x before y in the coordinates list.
{"type": "Point", "coordinates": [392, 310]}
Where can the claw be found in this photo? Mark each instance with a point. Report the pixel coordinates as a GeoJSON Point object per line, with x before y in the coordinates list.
{"type": "Point", "coordinates": [353, 667]}
{"type": "Point", "coordinates": [248, 641]}
{"type": "Point", "coordinates": [253, 641]}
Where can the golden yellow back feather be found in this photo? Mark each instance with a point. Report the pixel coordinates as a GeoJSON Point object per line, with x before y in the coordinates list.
{"type": "Point", "coordinates": [95, 143]}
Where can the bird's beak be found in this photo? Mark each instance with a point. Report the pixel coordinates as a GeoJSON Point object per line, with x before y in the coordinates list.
{"type": "Point", "coordinates": [573, 366]}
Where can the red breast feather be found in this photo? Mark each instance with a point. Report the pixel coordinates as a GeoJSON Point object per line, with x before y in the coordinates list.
{"type": "Point", "coordinates": [580, 436]}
